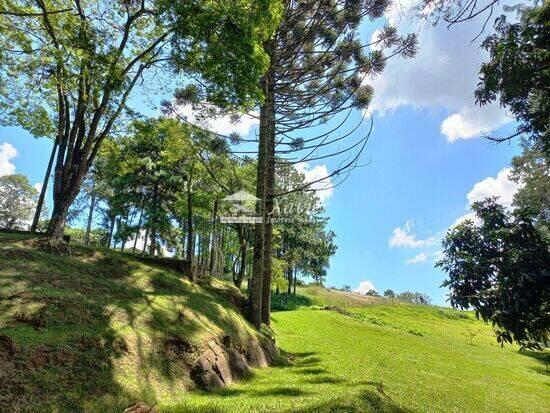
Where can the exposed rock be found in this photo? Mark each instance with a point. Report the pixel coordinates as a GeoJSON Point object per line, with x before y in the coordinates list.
{"type": "Point", "coordinates": [256, 355]}
{"type": "Point", "coordinates": [6, 345]}
{"type": "Point", "coordinates": [220, 364]}
{"type": "Point", "coordinates": [204, 375]}
{"type": "Point", "coordinates": [238, 363]}
{"type": "Point", "coordinates": [140, 408]}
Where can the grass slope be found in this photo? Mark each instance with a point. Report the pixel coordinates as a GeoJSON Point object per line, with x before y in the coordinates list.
{"type": "Point", "coordinates": [386, 358]}
{"type": "Point", "coordinates": [99, 330]}
{"type": "Point", "coordinates": [104, 320]}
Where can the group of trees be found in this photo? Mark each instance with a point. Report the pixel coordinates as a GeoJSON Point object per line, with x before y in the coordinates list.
{"type": "Point", "coordinates": [68, 71]}
{"type": "Point", "coordinates": [295, 65]}
{"type": "Point", "coordinates": [499, 266]}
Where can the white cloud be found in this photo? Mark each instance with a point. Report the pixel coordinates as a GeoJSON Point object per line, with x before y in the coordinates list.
{"type": "Point", "coordinates": [223, 125]}
{"type": "Point", "coordinates": [7, 153]}
{"type": "Point", "coordinates": [501, 186]}
{"type": "Point", "coordinates": [402, 237]}
{"type": "Point", "coordinates": [38, 186]}
{"type": "Point", "coordinates": [422, 257]}
{"type": "Point", "coordinates": [364, 287]}
{"type": "Point", "coordinates": [472, 122]}
{"type": "Point", "coordinates": [467, 216]}
{"type": "Point", "coordinates": [323, 188]}
{"type": "Point", "coordinates": [443, 75]}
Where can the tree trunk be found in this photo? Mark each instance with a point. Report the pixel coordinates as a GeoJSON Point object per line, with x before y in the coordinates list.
{"type": "Point", "coordinates": [153, 246]}
{"type": "Point", "coordinates": [214, 245]}
{"type": "Point", "coordinates": [289, 273]}
{"type": "Point", "coordinates": [256, 282]}
{"type": "Point", "coordinates": [145, 239]}
{"type": "Point", "coordinates": [138, 231]}
{"type": "Point", "coordinates": [40, 202]}
{"type": "Point", "coordinates": [295, 277]}
{"type": "Point", "coordinates": [190, 234]}
{"type": "Point", "coordinates": [111, 230]}
{"type": "Point", "coordinates": [90, 217]}
{"type": "Point", "coordinates": [268, 197]}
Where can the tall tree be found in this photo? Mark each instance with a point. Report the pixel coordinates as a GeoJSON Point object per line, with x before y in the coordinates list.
{"type": "Point", "coordinates": [500, 269]}
{"type": "Point", "coordinates": [517, 74]}
{"type": "Point", "coordinates": [77, 62]}
{"type": "Point", "coordinates": [17, 200]}
{"type": "Point", "coordinates": [318, 70]}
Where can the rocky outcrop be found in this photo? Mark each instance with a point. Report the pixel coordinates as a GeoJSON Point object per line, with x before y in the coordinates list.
{"type": "Point", "coordinates": [221, 364]}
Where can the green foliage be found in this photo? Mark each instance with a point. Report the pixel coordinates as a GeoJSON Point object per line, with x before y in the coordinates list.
{"type": "Point", "coordinates": [533, 195]}
{"type": "Point", "coordinates": [17, 201]}
{"type": "Point", "coordinates": [389, 293]}
{"type": "Point", "coordinates": [288, 302]}
{"type": "Point", "coordinates": [500, 269]}
{"type": "Point", "coordinates": [413, 297]}
{"type": "Point", "coordinates": [235, 46]}
{"type": "Point", "coordinates": [98, 236]}
{"type": "Point", "coordinates": [278, 274]}
{"type": "Point", "coordinates": [517, 73]}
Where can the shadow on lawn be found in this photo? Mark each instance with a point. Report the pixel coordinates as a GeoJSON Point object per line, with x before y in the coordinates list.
{"type": "Point", "coordinates": [60, 313]}
{"type": "Point", "coordinates": [314, 380]}
{"type": "Point", "coordinates": [543, 357]}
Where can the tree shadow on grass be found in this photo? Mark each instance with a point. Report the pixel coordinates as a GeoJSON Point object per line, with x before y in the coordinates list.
{"type": "Point", "coordinates": [543, 357]}
{"type": "Point", "coordinates": [74, 319]}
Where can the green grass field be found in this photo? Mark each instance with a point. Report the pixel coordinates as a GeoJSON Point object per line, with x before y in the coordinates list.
{"type": "Point", "coordinates": [90, 330]}
{"type": "Point", "coordinates": [387, 358]}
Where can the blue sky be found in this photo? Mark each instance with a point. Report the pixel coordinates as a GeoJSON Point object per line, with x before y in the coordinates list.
{"type": "Point", "coordinates": [427, 164]}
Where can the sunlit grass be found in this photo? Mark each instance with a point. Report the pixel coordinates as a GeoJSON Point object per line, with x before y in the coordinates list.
{"type": "Point", "coordinates": [106, 314]}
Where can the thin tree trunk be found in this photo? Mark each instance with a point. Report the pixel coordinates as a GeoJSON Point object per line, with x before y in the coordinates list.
{"type": "Point", "coordinates": [295, 278]}
{"type": "Point", "coordinates": [40, 202]}
{"type": "Point", "coordinates": [289, 273]}
{"type": "Point", "coordinates": [138, 231]}
{"type": "Point", "coordinates": [190, 235]}
{"type": "Point", "coordinates": [256, 282]}
{"type": "Point", "coordinates": [268, 197]}
{"type": "Point", "coordinates": [153, 246]}
{"type": "Point", "coordinates": [214, 245]}
{"type": "Point", "coordinates": [111, 230]}
{"type": "Point", "coordinates": [90, 216]}
{"type": "Point", "coordinates": [146, 238]}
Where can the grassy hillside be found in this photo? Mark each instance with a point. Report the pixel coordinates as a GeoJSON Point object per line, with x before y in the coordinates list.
{"type": "Point", "coordinates": [387, 358]}
{"type": "Point", "coordinates": [99, 330]}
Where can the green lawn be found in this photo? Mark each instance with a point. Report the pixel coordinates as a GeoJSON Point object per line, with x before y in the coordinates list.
{"type": "Point", "coordinates": [99, 330]}
{"type": "Point", "coordinates": [426, 359]}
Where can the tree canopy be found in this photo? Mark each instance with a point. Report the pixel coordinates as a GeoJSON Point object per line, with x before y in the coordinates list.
{"type": "Point", "coordinates": [501, 270]}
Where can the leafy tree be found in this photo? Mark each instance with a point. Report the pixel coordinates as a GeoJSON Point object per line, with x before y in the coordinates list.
{"type": "Point", "coordinates": [17, 201]}
{"type": "Point", "coordinates": [517, 73]}
{"type": "Point", "coordinates": [372, 293]}
{"type": "Point", "coordinates": [346, 289]}
{"type": "Point", "coordinates": [389, 293]}
{"type": "Point", "coordinates": [500, 269]}
{"type": "Point", "coordinates": [146, 171]}
{"type": "Point", "coordinates": [76, 63]}
{"type": "Point", "coordinates": [318, 69]}
{"type": "Point", "coordinates": [531, 170]}
{"type": "Point", "coordinates": [414, 297]}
